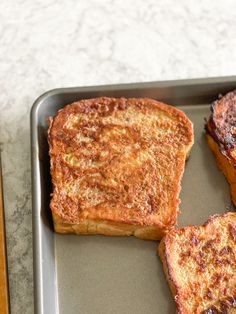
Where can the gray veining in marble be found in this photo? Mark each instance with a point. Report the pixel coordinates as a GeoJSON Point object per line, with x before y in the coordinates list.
{"type": "Point", "coordinates": [48, 44]}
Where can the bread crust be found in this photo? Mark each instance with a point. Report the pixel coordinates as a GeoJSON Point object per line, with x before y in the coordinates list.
{"type": "Point", "coordinates": [200, 266]}
{"type": "Point", "coordinates": [221, 137]}
{"type": "Point", "coordinates": [108, 228]}
{"type": "Point", "coordinates": [118, 162]}
{"type": "Point", "coordinates": [225, 165]}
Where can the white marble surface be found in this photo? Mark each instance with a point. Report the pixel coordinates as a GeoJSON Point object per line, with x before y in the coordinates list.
{"type": "Point", "coordinates": [48, 44]}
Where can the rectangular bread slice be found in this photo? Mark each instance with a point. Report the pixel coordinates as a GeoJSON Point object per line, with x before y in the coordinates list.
{"type": "Point", "coordinates": [116, 166]}
{"type": "Point", "coordinates": [221, 137]}
{"type": "Point", "coordinates": [200, 266]}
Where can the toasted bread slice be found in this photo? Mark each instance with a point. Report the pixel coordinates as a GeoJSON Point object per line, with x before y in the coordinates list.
{"type": "Point", "coordinates": [200, 265]}
{"type": "Point", "coordinates": [221, 137]}
{"type": "Point", "coordinates": [116, 166]}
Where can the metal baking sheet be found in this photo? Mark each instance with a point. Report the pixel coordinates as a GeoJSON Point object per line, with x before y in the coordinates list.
{"type": "Point", "coordinates": [109, 275]}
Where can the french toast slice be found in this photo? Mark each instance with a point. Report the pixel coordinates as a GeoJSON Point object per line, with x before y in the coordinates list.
{"type": "Point", "coordinates": [200, 266]}
{"type": "Point", "coordinates": [116, 166]}
{"type": "Point", "coordinates": [221, 137]}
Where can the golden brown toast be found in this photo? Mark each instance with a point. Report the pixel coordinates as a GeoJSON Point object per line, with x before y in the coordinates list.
{"type": "Point", "coordinates": [200, 265]}
{"type": "Point", "coordinates": [221, 137]}
{"type": "Point", "coordinates": [116, 166]}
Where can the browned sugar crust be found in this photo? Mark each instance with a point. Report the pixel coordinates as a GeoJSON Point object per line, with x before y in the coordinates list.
{"type": "Point", "coordinates": [222, 125]}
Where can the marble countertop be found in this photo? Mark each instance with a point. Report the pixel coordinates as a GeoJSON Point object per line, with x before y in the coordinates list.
{"type": "Point", "coordinates": [48, 44]}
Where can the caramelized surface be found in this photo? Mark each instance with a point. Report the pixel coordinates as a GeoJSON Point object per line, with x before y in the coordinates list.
{"type": "Point", "coordinates": [200, 264]}
{"type": "Point", "coordinates": [118, 160]}
{"type": "Point", "coordinates": [221, 137]}
{"type": "Point", "coordinates": [222, 125]}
